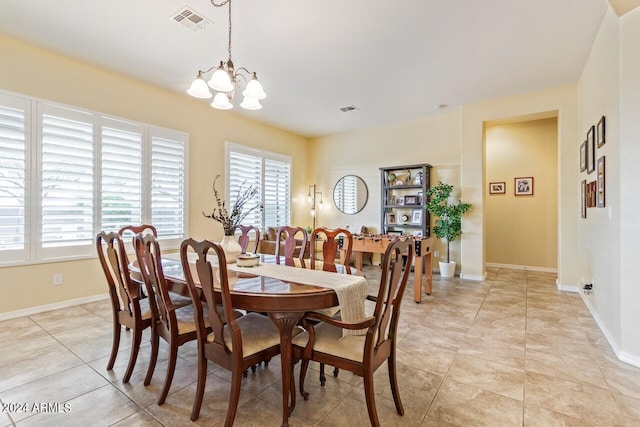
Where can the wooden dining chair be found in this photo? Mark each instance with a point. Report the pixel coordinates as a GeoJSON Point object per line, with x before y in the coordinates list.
{"type": "Point", "coordinates": [235, 344]}
{"type": "Point", "coordinates": [128, 309]}
{"type": "Point", "coordinates": [362, 355]}
{"type": "Point", "coordinates": [330, 248]}
{"type": "Point", "coordinates": [245, 238]}
{"type": "Point", "coordinates": [287, 248]}
{"type": "Point", "coordinates": [176, 325]}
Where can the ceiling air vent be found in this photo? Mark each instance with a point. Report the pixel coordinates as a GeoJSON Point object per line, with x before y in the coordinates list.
{"type": "Point", "coordinates": [349, 108]}
{"type": "Point", "coordinates": [191, 19]}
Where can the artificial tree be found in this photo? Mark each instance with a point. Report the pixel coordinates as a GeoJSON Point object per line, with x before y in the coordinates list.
{"type": "Point", "coordinates": [448, 226]}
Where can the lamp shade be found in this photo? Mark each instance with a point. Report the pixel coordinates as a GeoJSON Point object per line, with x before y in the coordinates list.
{"type": "Point", "coordinates": [249, 103]}
{"type": "Point", "coordinates": [199, 89]}
{"type": "Point", "coordinates": [221, 102]}
{"type": "Point", "coordinates": [254, 89]}
{"type": "Point", "coordinates": [220, 80]}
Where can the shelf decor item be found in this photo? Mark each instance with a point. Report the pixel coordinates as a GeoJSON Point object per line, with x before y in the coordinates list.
{"type": "Point", "coordinates": [448, 226]}
{"type": "Point", "coordinates": [230, 220]}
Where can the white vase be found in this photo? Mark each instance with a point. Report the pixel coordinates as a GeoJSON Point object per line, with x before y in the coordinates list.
{"type": "Point", "coordinates": [447, 269]}
{"type": "Point", "coordinates": [231, 248]}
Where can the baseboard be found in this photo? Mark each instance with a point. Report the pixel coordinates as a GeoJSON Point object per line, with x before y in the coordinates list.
{"type": "Point", "coordinates": [566, 288]}
{"type": "Point", "coordinates": [54, 306]}
{"type": "Point", "coordinates": [621, 355]}
{"type": "Point", "coordinates": [474, 277]}
{"type": "Point", "coordinates": [522, 267]}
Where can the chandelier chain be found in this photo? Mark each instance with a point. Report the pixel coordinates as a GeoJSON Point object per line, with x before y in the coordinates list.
{"type": "Point", "coordinates": [213, 2]}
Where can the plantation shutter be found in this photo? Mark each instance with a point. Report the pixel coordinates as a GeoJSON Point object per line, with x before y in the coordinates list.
{"type": "Point", "coordinates": [245, 170]}
{"type": "Point", "coordinates": [350, 194]}
{"type": "Point", "coordinates": [168, 184]}
{"type": "Point", "coordinates": [121, 175]}
{"type": "Point", "coordinates": [13, 180]}
{"type": "Point", "coordinates": [277, 193]}
{"type": "Point", "coordinates": [67, 182]}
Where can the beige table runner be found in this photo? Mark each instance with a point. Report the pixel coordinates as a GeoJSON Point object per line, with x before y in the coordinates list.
{"type": "Point", "coordinates": [350, 289]}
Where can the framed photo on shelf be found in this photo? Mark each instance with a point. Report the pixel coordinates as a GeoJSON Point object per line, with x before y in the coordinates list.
{"type": "Point", "coordinates": [583, 156]}
{"type": "Point", "coordinates": [394, 232]}
{"type": "Point", "coordinates": [523, 186]}
{"type": "Point", "coordinates": [591, 150]}
{"type": "Point", "coordinates": [400, 201]}
{"type": "Point", "coordinates": [417, 234]}
{"type": "Point", "coordinates": [600, 183]}
{"type": "Point", "coordinates": [410, 200]}
{"type": "Point", "coordinates": [391, 218]}
{"type": "Point", "coordinates": [600, 132]}
{"type": "Point", "coordinates": [416, 218]}
{"type": "Point", "coordinates": [583, 199]}
{"type": "Point", "coordinates": [392, 200]}
{"type": "Point", "coordinates": [420, 197]}
{"type": "Point", "coordinates": [497, 187]}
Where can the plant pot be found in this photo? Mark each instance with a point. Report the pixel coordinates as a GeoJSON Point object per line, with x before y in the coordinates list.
{"type": "Point", "coordinates": [447, 269]}
{"type": "Point", "coordinates": [231, 248]}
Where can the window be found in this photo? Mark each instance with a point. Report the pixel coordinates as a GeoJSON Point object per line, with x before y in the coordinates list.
{"type": "Point", "coordinates": [89, 173]}
{"type": "Point", "coordinates": [346, 192]}
{"type": "Point", "coordinates": [271, 173]}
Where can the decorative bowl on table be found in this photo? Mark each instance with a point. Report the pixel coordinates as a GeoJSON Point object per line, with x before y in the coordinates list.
{"type": "Point", "coordinates": [248, 260]}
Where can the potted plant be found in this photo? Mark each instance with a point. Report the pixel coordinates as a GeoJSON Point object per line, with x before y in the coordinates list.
{"type": "Point", "coordinates": [231, 219]}
{"type": "Point", "coordinates": [448, 226]}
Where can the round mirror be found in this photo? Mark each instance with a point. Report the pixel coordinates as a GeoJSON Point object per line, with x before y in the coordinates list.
{"type": "Point", "coordinates": [350, 194]}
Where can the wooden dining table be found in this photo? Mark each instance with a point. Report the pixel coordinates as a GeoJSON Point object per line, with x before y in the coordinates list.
{"type": "Point", "coordinates": [284, 302]}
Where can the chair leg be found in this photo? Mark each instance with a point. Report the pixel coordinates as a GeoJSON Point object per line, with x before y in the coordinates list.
{"type": "Point", "coordinates": [371, 399]}
{"type": "Point", "coordinates": [323, 379]}
{"type": "Point", "coordinates": [202, 380]}
{"type": "Point", "coordinates": [393, 380]}
{"type": "Point", "coordinates": [115, 345]}
{"type": "Point", "coordinates": [234, 398]}
{"type": "Point", "coordinates": [335, 372]}
{"type": "Point", "coordinates": [155, 344]}
{"type": "Point", "coordinates": [303, 374]}
{"type": "Point", "coordinates": [171, 367]}
{"type": "Point", "coordinates": [135, 347]}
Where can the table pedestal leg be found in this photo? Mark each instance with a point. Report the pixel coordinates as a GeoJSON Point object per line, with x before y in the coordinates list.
{"type": "Point", "coordinates": [285, 323]}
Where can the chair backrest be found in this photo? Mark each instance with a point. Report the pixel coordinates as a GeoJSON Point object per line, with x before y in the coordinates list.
{"type": "Point", "coordinates": [395, 273]}
{"type": "Point", "coordinates": [205, 277]}
{"type": "Point", "coordinates": [113, 259]}
{"type": "Point", "coordinates": [245, 238]}
{"type": "Point", "coordinates": [290, 244]}
{"type": "Point", "coordinates": [330, 249]}
{"type": "Point", "coordinates": [149, 259]}
{"type": "Point", "coordinates": [132, 230]}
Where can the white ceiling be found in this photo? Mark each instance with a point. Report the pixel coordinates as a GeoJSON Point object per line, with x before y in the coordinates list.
{"type": "Point", "coordinates": [394, 60]}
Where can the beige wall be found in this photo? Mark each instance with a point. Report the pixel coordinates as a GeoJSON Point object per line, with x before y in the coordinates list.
{"type": "Point", "coordinates": [35, 72]}
{"type": "Point", "coordinates": [434, 140]}
{"type": "Point", "coordinates": [522, 230]}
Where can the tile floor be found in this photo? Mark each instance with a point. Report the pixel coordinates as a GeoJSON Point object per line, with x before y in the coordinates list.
{"type": "Point", "coordinates": [510, 351]}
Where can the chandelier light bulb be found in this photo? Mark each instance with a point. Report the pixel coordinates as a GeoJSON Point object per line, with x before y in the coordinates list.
{"type": "Point", "coordinates": [220, 80]}
{"type": "Point", "coordinates": [199, 88]}
{"type": "Point", "coordinates": [250, 103]}
{"type": "Point", "coordinates": [221, 102]}
{"type": "Point", "coordinates": [254, 89]}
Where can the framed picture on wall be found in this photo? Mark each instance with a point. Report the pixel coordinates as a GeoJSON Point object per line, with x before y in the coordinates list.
{"type": "Point", "coordinates": [601, 182]}
{"type": "Point", "coordinates": [583, 156]}
{"type": "Point", "coordinates": [497, 187]}
{"type": "Point", "coordinates": [523, 186]}
{"type": "Point", "coordinates": [591, 149]}
{"type": "Point", "coordinates": [600, 132]}
{"type": "Point", "coordinates": [583, 198]}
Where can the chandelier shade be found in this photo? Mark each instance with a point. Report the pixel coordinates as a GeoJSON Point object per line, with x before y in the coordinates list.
{"type": "Point", "coordinates": [226, 79]}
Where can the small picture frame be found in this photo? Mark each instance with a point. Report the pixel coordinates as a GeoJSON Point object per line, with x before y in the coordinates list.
{"type": "Point", "coordinates": [583, 156]}
{"type": "Point", "coordinates": [583, 199]}
{"type": "Point", "coordinates": [417, 234]}
{"type": "Point", "coordinates": [523, 186]}
{"type": "Point", "coordinates": [600, 132]}
{"type": "Point", "coordinates": [600, 183]}
{"type": "Point", "coordinates": [410, 200]}
{"type": "Point", "coordinates": [392, 200]}
{"type": "Point", "coordinates": [394, 232]}
{"type": "Point", "coordinates": [497, 187]}
{"type": "Point", "coordinates": [416, 217]}
{"type": "Point", "coordinates": [391, 218]}
{"type": "Point", "coordinates": [591, 149]}
{"type": "Point", "coordinates": [420, 197]}
{"type": "Point", "coordinates": [400, 201]}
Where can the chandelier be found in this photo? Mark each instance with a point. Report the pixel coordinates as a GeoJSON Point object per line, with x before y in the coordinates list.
{"type": "Point", "coordinates": [225, 79]}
